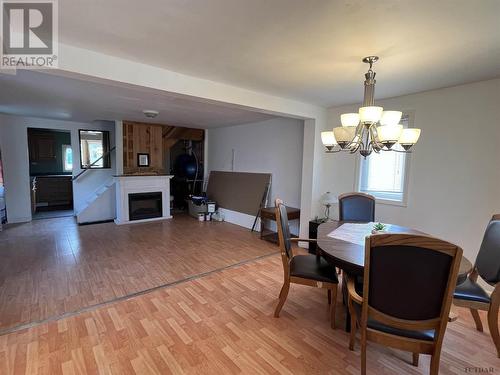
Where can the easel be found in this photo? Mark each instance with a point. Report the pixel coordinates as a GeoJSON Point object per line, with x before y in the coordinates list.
{"type": "Point", "coordinates": [263, 204]}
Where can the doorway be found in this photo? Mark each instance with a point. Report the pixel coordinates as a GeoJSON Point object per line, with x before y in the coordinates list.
{"type": "Point", "coordinates": [51, 167]}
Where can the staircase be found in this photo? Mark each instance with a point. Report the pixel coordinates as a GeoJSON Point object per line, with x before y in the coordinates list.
{"type": "Point", "coordinates": [100, 205]}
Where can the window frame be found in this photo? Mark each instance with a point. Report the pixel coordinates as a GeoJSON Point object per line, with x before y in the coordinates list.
{"type": "Point", "coordinates": [106, 142]}
{"type": "Point", "coordinates": [64, 148]}
{"type": "Point", "coordinates": [380, 198]}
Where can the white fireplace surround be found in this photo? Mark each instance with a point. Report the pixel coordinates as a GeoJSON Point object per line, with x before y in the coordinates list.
{"type": "Point", "coordinates": [126, 185]}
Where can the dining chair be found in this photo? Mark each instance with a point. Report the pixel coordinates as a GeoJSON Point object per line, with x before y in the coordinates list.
{"type": "Point", "coordinates": [471, 295]}
{"type": "Point", "coordinates": [311, 270]}
{"type": "Point", "coordinates": [407, 292]}
{"type": "Point", "coordinates": [356, 207]}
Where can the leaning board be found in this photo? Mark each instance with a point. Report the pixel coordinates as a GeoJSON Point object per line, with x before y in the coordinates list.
{"type": "Point", "coordinates": [238, 191]}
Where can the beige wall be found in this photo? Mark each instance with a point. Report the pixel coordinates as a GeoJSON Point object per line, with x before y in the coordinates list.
{"type": "Point", "coordinates": [454, 185]}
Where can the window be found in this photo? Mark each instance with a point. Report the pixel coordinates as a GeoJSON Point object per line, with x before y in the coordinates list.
{"type": "Point", "coordinates": [384, 175]}
{"type": "Point", "coordinates": [94, 149]}
{"type": "Point", "coordinates": [67, 156]}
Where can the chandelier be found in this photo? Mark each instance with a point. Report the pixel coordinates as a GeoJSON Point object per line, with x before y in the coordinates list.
{"type": "Point", "coordinates": [372, 128]}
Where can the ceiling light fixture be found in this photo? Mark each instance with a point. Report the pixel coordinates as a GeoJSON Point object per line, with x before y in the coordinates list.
{"type": "Point", "coordinates": [150, 113]}
{"type": "Point", "coordinates": [372, 128]}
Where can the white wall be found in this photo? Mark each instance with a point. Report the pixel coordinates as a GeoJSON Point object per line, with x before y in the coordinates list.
{"type": "Point", "coordinates": [14, 146]}
{"type": "Point", "coordinates": [454, 169]}
{"type": "Point", "coordinates": [272, 146]}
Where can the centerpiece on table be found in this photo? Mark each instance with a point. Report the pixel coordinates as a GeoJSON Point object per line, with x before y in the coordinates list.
{"type": "Point", "coordinates": [379, 228]}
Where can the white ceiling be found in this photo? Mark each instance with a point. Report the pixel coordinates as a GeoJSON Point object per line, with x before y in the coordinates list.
{"type": "Point", "coordinates": [36, 94]}
{"type": "Point", "coordinates": [304, 49]}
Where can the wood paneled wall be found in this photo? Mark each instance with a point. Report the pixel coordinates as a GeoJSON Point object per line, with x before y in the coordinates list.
{"type": "Point", "coordinates": [155, 140]}
{"type": "Point", "coordinates": [142, 138]}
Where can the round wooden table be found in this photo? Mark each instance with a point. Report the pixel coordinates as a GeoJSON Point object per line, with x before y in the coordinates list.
{"type": "Point", "coordinates": [348, 253]}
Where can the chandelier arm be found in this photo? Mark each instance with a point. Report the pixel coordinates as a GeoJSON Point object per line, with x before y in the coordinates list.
{"type": "Point", "coordinates": [400, 151]}
{"type": "Point", "coordinates": [358, 146]}
{"type": "Point", "coordinates": [374, 135]}
{"type": "Point", "coordinates": [376, 149]}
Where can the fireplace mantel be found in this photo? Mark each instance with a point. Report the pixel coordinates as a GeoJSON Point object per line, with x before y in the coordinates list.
{"type": "Point", "coordinates": [131, 184]}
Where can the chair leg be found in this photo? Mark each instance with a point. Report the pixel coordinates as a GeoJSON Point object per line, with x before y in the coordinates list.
{"type": "Point", "coordinates": [415, 359]}
{"type": "Point", "coordinates": [435, 358]}
{"type": "Point", "coordinates": [329, 296]}
{"type": "Point", "coordinates": [352, 333]}
{"type": "Point", "coordinates": [333, 305]}
{"type": "Point", "coordinates": [282, 298]}
{"type": "Point", "coordinates": [363, 355]}
{"type": "Point", "coordinates": [477, 320]}
{"type": "Point", "coordinates": [493, 326]}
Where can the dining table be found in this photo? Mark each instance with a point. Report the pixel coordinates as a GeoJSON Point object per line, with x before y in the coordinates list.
{"type": "Point", "coordinates": [342, 244]}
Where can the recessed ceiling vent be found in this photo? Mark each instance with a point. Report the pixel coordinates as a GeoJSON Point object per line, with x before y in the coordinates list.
{"type": "Point", "coordinates": [150, 113]}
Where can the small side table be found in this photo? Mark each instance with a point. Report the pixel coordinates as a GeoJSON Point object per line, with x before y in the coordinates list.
{"type": "Point", "coordinates": [313, 234]}
{"type": "Point", "coordinates": [269, 213]}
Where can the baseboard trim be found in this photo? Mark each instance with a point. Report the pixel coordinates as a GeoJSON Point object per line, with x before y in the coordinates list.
{"type": "Point", "coordinates": [97, 222]}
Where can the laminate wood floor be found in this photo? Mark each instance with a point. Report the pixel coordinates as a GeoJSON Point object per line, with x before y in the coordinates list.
{"type": "Point", "coordinates": [223, 323]}
{"type": "Point", "coordinates": [52, 267]}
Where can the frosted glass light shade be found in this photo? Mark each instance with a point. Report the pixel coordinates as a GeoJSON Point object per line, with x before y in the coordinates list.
{"type": "Point", "coordinates": [349, 119]}
{"type": "Point", "coordinates": [370, 114]}
{"type": "Point", "coordinates": [328, 138]}
{"type": "Point", "coordinates": [389, 133]}
{"type": "Point", "coordinates": [409, 136]}
{"type": "Point", "coordinates": [391, 117]}
{"type": "Point", "coordinates": [328, 198]}
{"type": "Point", "coordinates": [344, 134]}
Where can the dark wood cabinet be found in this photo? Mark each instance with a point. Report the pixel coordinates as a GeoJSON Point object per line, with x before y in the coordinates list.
{"type": "Point", "coordinates": [42, 148]}
{"type": "Point", "coordinates": [52, 191]}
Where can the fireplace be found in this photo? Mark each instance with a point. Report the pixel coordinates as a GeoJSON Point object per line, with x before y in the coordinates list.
{"type": "Point", "coordinates": [144, 205]}
{"type": "Point", "coordinates": [139, 197]}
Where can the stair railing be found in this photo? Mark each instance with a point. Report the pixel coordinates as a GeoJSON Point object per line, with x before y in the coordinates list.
{"type": "Point", "coordinates": [106, 154]}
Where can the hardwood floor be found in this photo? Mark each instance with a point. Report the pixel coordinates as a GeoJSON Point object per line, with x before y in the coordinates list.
{"type": "Point", "coordinates": [52, 267]}
{"type": "Point", "coordinates": [219, 322]}
{"type": "Point", "coordinates": [223, 323]}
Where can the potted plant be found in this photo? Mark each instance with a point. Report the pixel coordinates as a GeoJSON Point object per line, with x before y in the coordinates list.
{"type": "Point", "coordinates": [379, 228]}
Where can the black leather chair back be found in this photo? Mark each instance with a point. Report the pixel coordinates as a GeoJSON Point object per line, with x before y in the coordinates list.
{"type": "Point", "coordinates": [356, 207]}
{"type": "Point", "coordinates": [285, 229]}
{"type": "Point", "coordinates": [488, 259]}
{"type": "Point", "coordinates": [408, 282]}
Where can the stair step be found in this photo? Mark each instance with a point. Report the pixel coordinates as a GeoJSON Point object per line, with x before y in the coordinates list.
{"type": "Point", "coordinates": [92, 199]}
{"type": "Point", "coordinates": [101, 190]}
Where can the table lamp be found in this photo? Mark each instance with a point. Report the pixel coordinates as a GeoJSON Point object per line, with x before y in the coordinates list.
{"type": "Point", "coordinates": [327, 200]}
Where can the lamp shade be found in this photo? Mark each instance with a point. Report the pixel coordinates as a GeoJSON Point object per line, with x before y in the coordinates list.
{"type": "Point", "coordinates": [409, 136]}
{"type": "Point", "coordinates": [328, 199]}
{"type": "Point", "coordinates": [370, 114]}
{"type": "Point", "coordinates": [328, 138]}
{"type": "Point", "coordinates": [344, 134]}
{"type": "Point", "coordinates": [389, 133]}
{"type": "Point", "coordinates": [349, 119]}
{"type": "Point", "coordinates": [391, 117]}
